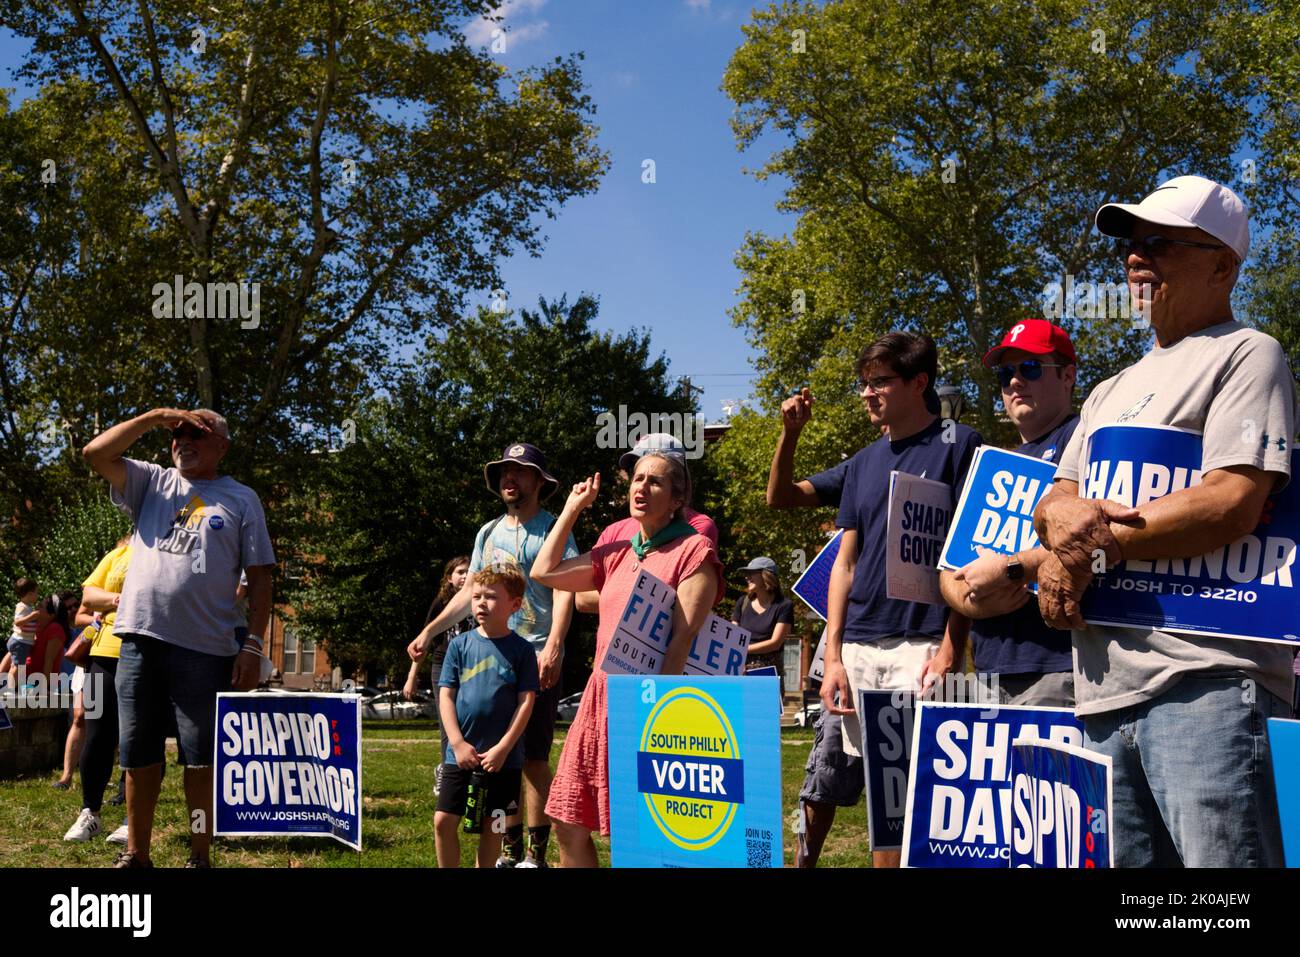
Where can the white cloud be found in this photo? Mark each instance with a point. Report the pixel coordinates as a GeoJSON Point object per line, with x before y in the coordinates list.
{"type": "Point", "coordinates": [506, 16]}
{"type": "Point", "coordinates": [701, 5]}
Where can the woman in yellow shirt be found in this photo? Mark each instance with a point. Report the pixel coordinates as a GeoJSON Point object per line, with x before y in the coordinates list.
{"type": "Point", "coordinates": [101, 593]}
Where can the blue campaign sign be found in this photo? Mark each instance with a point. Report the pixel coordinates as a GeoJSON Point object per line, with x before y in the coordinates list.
{"type": "Point", "coordinates": [1242, 590]}
{"type": "Point", "coordinates": [886, 720]}
{"type": "Point", "coordinates": [768, 671]}
{"type": "Point", "coordinates": [814, 584]}
{"type": "Point", "coordinates": [694, 772]}
{"type": "Point", "coordinates": [1284, 745]}
{"type": "Point", "coordinates": [289, 764]}
{"type": "Point", "coordinates": [959, 782]}
{"type": "Point", "coordinates": [5, 722]}
{"type": "Point", "coordinates": [996, 510]}
{"type": "Point", "coordinates": [1060, 806]}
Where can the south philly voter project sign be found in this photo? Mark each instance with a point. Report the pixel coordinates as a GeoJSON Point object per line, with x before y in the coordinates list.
{"type": "Point", "coordinates": [920, 510]}
{"type": "Point", "coordinates": [289, 764]}
{"type": "Point", "coordinates": [996, 510]}
{"type": "Point", "coordinates": [645, 628]}
{"type": "Point", "coordinates": [694, 771]}
{"type": "Point", "coordinates": [1245, 589]}
{"type": "Point", "coordinates": [1060, 805]}
{"type": "Point", "coordinates": [959, 781]}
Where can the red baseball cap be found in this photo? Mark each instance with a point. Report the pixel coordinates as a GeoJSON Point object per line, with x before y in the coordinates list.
{"type": "Point", "coordinates": [1033, 335]}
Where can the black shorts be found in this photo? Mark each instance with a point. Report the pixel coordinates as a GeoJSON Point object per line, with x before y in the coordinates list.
{"type": "Point", "coordinates": [539, 734]}
{"type": "Point", "coordinates": [502, 791]}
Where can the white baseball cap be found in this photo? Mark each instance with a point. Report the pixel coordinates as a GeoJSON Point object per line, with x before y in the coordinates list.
{"type": "Point", "coordinates": [1192, 201]}
{"type": "Point", "coordinates": [654, 442]}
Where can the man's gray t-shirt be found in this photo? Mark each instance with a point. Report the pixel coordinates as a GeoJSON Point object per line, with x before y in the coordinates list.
{"type": "Point", "coordinates": [1232, 384]}
{"type": "Point", "coordinates": [192, 540]}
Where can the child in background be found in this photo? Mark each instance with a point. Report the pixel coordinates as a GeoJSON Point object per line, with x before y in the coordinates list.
{"type": "Point", "coordinates": [488, 683]}
{"type": "Point", "coordinates": [20, 642]}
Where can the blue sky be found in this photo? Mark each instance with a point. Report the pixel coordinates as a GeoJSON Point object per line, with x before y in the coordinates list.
{"type": "Point", "coordinates": [659, 256]}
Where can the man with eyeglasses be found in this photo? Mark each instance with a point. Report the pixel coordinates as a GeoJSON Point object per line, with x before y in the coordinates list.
{"type": "Point", "coordinates": [195, 531]}
{"type": "Point", "coordinates": [874, 642]}
{"type": "Point", "coordinates": [1031, 662]}
{"type": "Point", "coordinates": [1182, 717]}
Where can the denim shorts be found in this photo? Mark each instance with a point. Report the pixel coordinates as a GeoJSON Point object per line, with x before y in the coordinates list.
{"type": "Point", "coordinates": [20, 648]}
{"type": "Point", "coordinates": [158, 682]}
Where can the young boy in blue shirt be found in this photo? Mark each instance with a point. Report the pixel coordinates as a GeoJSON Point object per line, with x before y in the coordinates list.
{"type": "Point", "coordinates": [488, 683]}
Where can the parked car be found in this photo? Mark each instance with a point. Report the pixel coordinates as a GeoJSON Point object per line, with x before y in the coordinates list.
{"type": "Point", "coordinates": [566, 709]}
{"type": "Point", "coordinates": [391, 704]}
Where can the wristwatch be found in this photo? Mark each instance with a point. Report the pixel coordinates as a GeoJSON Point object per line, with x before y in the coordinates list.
{"type": "Point", "coordinates": [1015, 570]}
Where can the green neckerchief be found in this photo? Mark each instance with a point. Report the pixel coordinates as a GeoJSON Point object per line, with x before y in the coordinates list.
{"type": "Point", "coordinates": [673, 530]}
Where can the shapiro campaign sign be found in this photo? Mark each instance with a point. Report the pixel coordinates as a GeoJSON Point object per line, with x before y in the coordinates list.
{"type": "Point", "coordinates": [959, 781]}
{"type": "Point", "coordinates": [919, 513]}
{"type": "Point", "coordinates": [813, 586]}
{"type": "Point", "coordinates": [1060, 806]}
{"type": "Point", "coordinates": [694, 772]}
{"type": "Point", "coordinates": [996, 510]}
{"type": "Point", "coordinates": [886, 720]}
{"type": "Point", "coordinates": [288, 764]}
{"type": "Point", "coordinates": [1245, 589]}
{"type": "Point", "coordinates": [645, 628]}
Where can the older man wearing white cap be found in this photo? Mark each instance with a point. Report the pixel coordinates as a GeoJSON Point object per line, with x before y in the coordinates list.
{"type": "Point", "coordinates": [1182, 717]}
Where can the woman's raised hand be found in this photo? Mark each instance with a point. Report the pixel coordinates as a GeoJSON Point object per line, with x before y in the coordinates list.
{"type": "Point", "coordinates": [584, 493]}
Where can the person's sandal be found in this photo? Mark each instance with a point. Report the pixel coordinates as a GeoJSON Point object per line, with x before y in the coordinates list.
{"type": "Point", "coordinates": [197, 863]}
{"type": "Point", "coordinates": [127, 859]}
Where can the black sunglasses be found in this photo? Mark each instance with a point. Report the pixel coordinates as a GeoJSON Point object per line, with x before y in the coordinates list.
{"type": "Point", "coordinates": [1031, 370]}
{"type": "Point", "coordinates": [1153, 247]}
{"type": "Point", "coordinates": [188, 432]}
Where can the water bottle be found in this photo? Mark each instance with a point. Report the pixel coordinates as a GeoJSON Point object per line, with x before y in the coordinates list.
{"type": "Point", "coordinates": [475, 801]}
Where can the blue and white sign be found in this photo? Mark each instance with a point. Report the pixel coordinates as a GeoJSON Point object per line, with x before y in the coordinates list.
{"type": "Point", "coordinates": [645, 629]}
{"type": "Point", "coordinates": [1060, 806]}
{"type": "Point", "coordinates": [916, 524]}
{"type": "Point", "coordinates": [1243, 590]}
{"type": "Point", "coordinates": [959, 781]}
{"type": "Point", "coordinates": [1284, 746]}
{"type": "Point", "coordinates": [288, 764]}
{"type": "Point", "coordinates": [814, 584]}
{"type": "Point", "coordinates": [886, 721]}
{"type": "Point", "coordinates": [694, 772]}
{"type": "Point", "coordinates": [996, 510]}
{"type": "Point", "coordinates": [768, 671]}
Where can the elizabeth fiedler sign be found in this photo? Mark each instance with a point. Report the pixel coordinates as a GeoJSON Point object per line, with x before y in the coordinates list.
{"type": "Point", "coordinates": [1245, 589]}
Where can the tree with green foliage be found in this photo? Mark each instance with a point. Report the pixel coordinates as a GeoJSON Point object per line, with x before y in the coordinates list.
{"type": "Point", "coordinates": [945, 161]}
{"type": "Point", "coordinates": [389, 507]}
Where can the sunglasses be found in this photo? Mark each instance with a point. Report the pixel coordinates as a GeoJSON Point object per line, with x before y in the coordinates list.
{"type": "Point", "coordinates": [1031, 370]}
{"type": "Point", "coordinates": [188, 432]}
{"type": "Point", "coordinates": [1153, 247]}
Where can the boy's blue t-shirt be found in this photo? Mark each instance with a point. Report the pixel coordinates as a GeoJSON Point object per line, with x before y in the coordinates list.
{"type": "Point", "coordinates": [488, 675]}
{"type": "Point", "coordinates": [1021, 642]}
{"type": "Point", "coordinates": [864, 507]}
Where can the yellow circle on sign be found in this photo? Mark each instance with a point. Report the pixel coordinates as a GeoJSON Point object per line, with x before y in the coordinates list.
{"type": "Point", "coordinates": [687, 723]}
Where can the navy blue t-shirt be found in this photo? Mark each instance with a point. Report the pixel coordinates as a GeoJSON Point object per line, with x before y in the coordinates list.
{"type": "Point", "coordinates": [865, 508]}
{"type": "Point", "coordinates": [488, 675]}
{"type": "Point", "coordinates": [1021, 642]}
{"type": "Point", "coordinates": [829, 485]}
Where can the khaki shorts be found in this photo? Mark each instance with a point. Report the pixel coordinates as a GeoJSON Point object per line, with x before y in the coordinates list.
{"type": "Point", "coordinates": [884, 665]}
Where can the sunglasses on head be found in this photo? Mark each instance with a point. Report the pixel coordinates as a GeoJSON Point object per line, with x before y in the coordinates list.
{"type": "Point", "coordinates": [1031, 370]}
{"type": "Point", "coordinates": [1153, 247]}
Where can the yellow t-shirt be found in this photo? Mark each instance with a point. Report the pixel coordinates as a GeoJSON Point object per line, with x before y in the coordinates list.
{"type": "Point", "coordinates": [109, 575]}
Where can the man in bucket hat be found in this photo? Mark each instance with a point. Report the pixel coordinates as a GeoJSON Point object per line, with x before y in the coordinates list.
{"type": "Point", "coordinates": [521, 480]}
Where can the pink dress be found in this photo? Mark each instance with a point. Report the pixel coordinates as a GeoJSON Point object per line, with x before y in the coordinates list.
{"type": "Point", "coordinates": [580, 791]}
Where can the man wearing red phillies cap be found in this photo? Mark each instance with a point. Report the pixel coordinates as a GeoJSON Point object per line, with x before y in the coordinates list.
{"type": "Point", "coordinates": [1183, 717]}
{"type": "Point", "coordinates": [1030, 661]}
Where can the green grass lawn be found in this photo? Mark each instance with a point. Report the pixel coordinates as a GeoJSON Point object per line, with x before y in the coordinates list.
{"type": "Point", "coordinates": [396, 824]}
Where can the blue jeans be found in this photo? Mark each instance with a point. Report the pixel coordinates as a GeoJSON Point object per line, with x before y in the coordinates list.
{"type": "Point", "coordinates": [158, 681]}
{"type": "Point", "coordinates": [1192, 775]}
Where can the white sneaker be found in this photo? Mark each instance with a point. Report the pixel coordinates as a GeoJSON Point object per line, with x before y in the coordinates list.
{"type": "Point", "coordinates": [119, 836]}
{"type": "Point", "coordinates": [86, 826]}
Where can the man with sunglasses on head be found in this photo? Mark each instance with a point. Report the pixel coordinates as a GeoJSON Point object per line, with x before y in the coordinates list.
{"type": "Point", "coordinates": [195, 531]}
{"type": "Point", "coordinates": [1182, 717]}
{"type": "Point", "coordinates": [1031, 662]}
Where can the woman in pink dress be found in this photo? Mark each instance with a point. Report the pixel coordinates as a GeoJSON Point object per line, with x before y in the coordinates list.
{"type": "Point", "coordinates": [666, 547]}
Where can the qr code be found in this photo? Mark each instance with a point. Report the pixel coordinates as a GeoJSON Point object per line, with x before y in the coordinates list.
{"type": "Point", "coordinates": [758, 847]}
